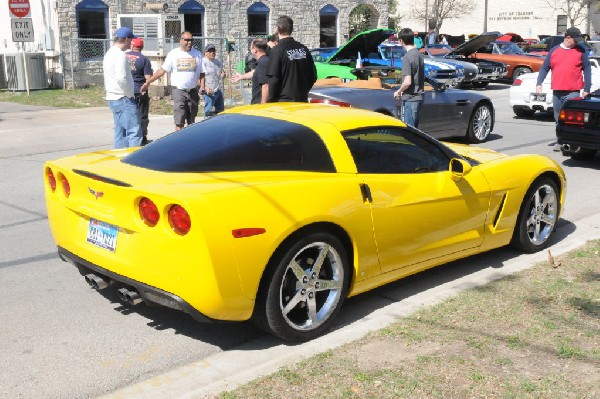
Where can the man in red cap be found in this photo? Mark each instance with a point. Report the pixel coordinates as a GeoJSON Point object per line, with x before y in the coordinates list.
{"type": "Point", "coordinates": [141, 70]}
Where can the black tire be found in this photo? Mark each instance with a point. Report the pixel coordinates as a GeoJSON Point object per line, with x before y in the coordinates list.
{"type": "Point", "coordinates": [480, 124]}
{"type": "Point", "coordinates": [480, 85]}
{"type": "Point", "coordinates": [295, 304]}
{"type": "Point", "coordinates": [523, 112]}
{"type": "Point", "coordinates": [520, 71]}
{"type": "Point", "coordinates": [537, 217]}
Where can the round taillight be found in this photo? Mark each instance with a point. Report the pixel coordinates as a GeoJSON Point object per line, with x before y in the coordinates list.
{"type": "Point", "coordinates": [179, 219]}
{"type": "Point", "coordinates": [149, 212]}
{"type": "Point", "coordinates": [51, 179]}
{"type": "Point", "coordinates": [65, 185]}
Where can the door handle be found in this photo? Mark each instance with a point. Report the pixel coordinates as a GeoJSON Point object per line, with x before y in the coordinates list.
{"type": "Point", "coordinates": [366, 192]}
{"type": "Point", "coordinates": [462, 103]}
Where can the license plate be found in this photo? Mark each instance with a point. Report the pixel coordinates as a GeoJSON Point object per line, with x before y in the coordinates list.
{"type": "Point", "coordinates": [538, 97]}
{"type": "Point", "coordinates": [102, 235]}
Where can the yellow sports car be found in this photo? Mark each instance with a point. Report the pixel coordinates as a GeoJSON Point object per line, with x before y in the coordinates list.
{"type": "Point", "coordinates": [278, 212]}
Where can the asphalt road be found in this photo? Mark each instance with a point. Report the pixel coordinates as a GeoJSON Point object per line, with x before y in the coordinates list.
{"type": "Point", "coordinates": [61, 339]}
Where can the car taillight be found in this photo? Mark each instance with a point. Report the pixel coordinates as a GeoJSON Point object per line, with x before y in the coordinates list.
{"type": "Point", "coordinates": [570, 117]}
{"type": "Point", "coordinates": [51, 179]}
{"type": "Point", "coordinates": [149, 212]}
{"type": "Point", "coordinates": [517, 82]}
{"type": "Point", "coordinates": [65, 185]}
{"type": "Point", "coordinates": [179, 219]}
{"type": "Point", "coordinates": [328, 102]}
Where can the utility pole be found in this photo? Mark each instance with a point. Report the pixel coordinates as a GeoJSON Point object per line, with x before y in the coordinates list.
{"type": "Point", "coordinates": [485, 17]}
{"type": "Point", "coordinates": [426, 16]}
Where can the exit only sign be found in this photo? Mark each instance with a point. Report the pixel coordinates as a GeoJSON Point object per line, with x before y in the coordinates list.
{"type": "Point", "coordinates": [22, 29]}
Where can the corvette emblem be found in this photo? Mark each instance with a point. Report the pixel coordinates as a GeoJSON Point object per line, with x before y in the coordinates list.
{"type": "Point", "coordinates": [97, 194]}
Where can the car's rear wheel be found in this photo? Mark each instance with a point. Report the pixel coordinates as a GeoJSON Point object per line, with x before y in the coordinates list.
{"type": "Point", "coordinates": [520, 71]}
{"type": "Point", "coordinates": [480, 125]}
{"type": "Point", "coordinates": [538, 216]}
{"type": "Point", "coordinates": [480, 85]}
{"type": "Point", "coordinates": [307, 288]}
{"type": "Point", "coordinates": [523, 112]}
{"type": "Point", "coordinates": [584, 154]}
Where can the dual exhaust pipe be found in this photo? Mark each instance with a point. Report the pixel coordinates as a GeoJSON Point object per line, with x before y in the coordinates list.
{"type": "Point", "coordinates": [570, 148]}
{"type": "Point", "coordinates": [126, 295]}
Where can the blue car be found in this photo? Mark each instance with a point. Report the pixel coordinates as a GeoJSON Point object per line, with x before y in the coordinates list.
{"type": "Point", "coordinates": [390, 54]}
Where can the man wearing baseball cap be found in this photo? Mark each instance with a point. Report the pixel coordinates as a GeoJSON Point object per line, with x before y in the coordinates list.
{"type": "Point", "coordinates": [141, 70]}
{"type": "Point", "coordinates": [118, 83]}
{"type": "Point", "coordinates": [211, 83]}
{"type": "Point", "coordinates": [571, 70]}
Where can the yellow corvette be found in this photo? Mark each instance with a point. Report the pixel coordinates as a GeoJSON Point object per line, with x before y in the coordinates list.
{"type": "Point", "coordinates": [278, 212]}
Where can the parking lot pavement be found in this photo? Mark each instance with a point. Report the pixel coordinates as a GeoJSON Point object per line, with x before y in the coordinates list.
{"type": "Point", "coordinates": [27, 130]}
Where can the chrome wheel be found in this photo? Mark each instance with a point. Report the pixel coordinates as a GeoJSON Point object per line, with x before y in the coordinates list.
{"type": "Point", "coordinates": [481, 124]}
{"type": "Point", "coordinates": [542, 215]}
{"type": "Point", "coordinates": [312, 286]}
{"type": "Point", "coordinates": [538, 216]}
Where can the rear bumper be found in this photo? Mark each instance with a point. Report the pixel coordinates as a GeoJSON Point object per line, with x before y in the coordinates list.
{"type": "Point", "coordinates": [585, 138]}
{"type": "Point", "coordinates": [151, 295]}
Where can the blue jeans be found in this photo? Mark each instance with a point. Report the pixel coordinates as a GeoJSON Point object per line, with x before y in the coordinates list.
{"type": "Point", "coordinates": [558, 100]}
{"type": "Point", "coordinates": [409, 112]}
{"type": "Point", "coordinates": [127, 122]}
{"type": "Point", "coordinates": [214, 100]}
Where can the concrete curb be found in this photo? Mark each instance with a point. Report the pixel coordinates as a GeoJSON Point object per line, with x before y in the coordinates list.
{"type": "Point", "coordinates": [230, 369]}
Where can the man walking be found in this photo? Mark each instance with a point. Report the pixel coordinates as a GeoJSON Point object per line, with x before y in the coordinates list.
{"type": "Point", "coordinates": [184, 63]}
{"type": "Point", "coordinates": [412, 89]}
{"type": "Point", "coordinates": [141, 70]}
{"type": "Point", "coordinates": [211, 83]}
{"type": "Point", "coordinates": [260, 87]}
{"type": "Point", "coordinates": [571, 70]}
{"type": "Point", "coordinates": [118, 83]}
{"type": "Point", "coordinates": [291, 71]}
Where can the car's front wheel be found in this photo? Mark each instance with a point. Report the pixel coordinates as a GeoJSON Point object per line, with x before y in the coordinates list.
{"type": "Point", "coordinates": [480, 125]}
{"type": "Point", "coordinates": [307, 287]}
{"type": "Point", "coordinates": [520, 71]}
{"type": "Point", "coordinates": [538, 216]}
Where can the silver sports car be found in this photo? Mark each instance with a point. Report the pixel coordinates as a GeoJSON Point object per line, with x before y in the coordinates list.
{"type": "Point", "coordinates": [445, 112]}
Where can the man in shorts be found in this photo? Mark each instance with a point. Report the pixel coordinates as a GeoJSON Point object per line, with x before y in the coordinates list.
{"type": "Point", "coordinates": [184, 63]}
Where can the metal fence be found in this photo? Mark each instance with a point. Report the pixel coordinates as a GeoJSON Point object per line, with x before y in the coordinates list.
{"type": "Point", "coordinates": [82, 61]}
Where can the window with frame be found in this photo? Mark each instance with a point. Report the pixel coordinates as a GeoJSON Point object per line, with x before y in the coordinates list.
{"type": "Point", "coordinates": [258, 15]}
{"type": "Point", "coordinates": [561, 24]}
{"type": "Point", "coordinates": [393, 150]}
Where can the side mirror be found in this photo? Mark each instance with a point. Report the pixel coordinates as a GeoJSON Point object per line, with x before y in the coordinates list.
{"type": "Point", "coordinates": [459, 168]}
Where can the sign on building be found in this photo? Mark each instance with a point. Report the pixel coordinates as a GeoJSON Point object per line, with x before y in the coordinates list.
{"type": "Point", "coordinates": [22, 29]}
{"type": "Point", "coordinates": [19, 8]}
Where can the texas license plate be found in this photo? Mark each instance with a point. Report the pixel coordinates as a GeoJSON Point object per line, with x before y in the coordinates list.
{"type": "Point", "coordinates": [102, 234]}
{"type": "Point", "coordinates": [538, 97]}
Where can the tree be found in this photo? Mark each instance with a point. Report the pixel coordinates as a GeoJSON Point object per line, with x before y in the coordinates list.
{"type": "Point", "coordinates": [393, 21]}
{"type": "Point", "coordinates": [436, 11]}
{"type": "Point", "coordinates": [359, 19]}
{"type": "Point", "coordinates": [575, 10]}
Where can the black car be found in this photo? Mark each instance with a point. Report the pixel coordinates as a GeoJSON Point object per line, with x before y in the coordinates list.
{"type": "Point", "coordinates": [578, 128]}
{"type": "Point", "coordinates": [487, 70]}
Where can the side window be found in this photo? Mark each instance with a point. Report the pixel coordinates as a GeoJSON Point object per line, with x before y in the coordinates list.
{"type": "Point", "coordinates": [392, 150]}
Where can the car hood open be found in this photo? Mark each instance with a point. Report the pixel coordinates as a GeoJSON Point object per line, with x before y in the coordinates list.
{"type": "Point", "coordinates": [471, 46]}
{"type": "Point", "coordinates": [365, 42]}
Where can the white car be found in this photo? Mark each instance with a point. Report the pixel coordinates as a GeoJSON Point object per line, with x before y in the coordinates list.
{"type": "Point", "coordinates": [524, 100]}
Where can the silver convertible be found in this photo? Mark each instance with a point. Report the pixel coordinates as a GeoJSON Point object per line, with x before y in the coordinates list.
{"type": "Point", "coordinates": [445, 112]}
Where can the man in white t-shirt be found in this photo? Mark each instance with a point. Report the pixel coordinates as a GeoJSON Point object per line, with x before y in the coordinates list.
{"type": "Point", "coordinates": [211, 85]}
{"type": "Point", "coordinates": [118, 83]}
{"type": "Point", "coordinates": [185, 66]}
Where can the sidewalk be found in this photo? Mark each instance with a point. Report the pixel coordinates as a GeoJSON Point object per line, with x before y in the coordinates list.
{"type": "Point", "coordinates": [94, 127]}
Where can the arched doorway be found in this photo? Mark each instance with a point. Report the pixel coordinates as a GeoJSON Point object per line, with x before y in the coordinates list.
{"type": "Point", "coordinates": [193, 17]}
{"type": "Point", "coordinates": [328, 16]}
{"type": "Point", "coordinates": [92, 19]}
{"type": "Point", "coordinates": [362, 17]}
{"type": "Point", "coordinates": [258, 17]}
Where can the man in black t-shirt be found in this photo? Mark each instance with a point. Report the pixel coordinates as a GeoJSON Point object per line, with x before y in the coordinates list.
{"type": "Point", "coordinates": [291, 71]}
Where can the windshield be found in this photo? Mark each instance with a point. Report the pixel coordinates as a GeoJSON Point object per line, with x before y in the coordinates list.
{"type": "Point", "coordinates": [388, 52]}
{"type": "Point", "coordinates": [509, 48]}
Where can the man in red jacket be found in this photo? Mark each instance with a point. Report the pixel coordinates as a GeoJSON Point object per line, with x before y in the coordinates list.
{"type": "Point", "coordinates": [571, 70]}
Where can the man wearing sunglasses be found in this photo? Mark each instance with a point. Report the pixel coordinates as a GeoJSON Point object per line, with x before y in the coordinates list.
{"type": "Point", "coordinates": [184, 63]}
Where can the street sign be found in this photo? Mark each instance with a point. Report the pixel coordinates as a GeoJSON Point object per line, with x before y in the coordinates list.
{"type": "Point", "coordinates": [19, 8]}
{"type": "Point", "coordinates": [22, 29]}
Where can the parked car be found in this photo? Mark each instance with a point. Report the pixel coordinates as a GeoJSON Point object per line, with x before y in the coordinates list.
{"type": "Point", "coordinates": [517, 61]}
{"type": "Point", "coordinates": [525, 101]}
{"type": "Point", "coordinates": [444, 113]}
{"type": "Point", "coordinates": [578, 127]}
{"type": "Point", "coordinates": [390, 54]}
{"type": "Point", "coordinates": [322, 54]}
{"type": "Point", "coordinates": [341, 63]}
{"type": "Point", "coordinates": [485, 70]}
{"type": "Point", "coordinates": [365, 49]}
{"type": "Point", "coordinates": [544, 45]}
{"type": "Point", "coordinates": [279, 212]}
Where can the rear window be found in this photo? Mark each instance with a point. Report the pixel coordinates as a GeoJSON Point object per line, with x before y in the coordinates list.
{"type": "Point", "coordinates": [234, 142]}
